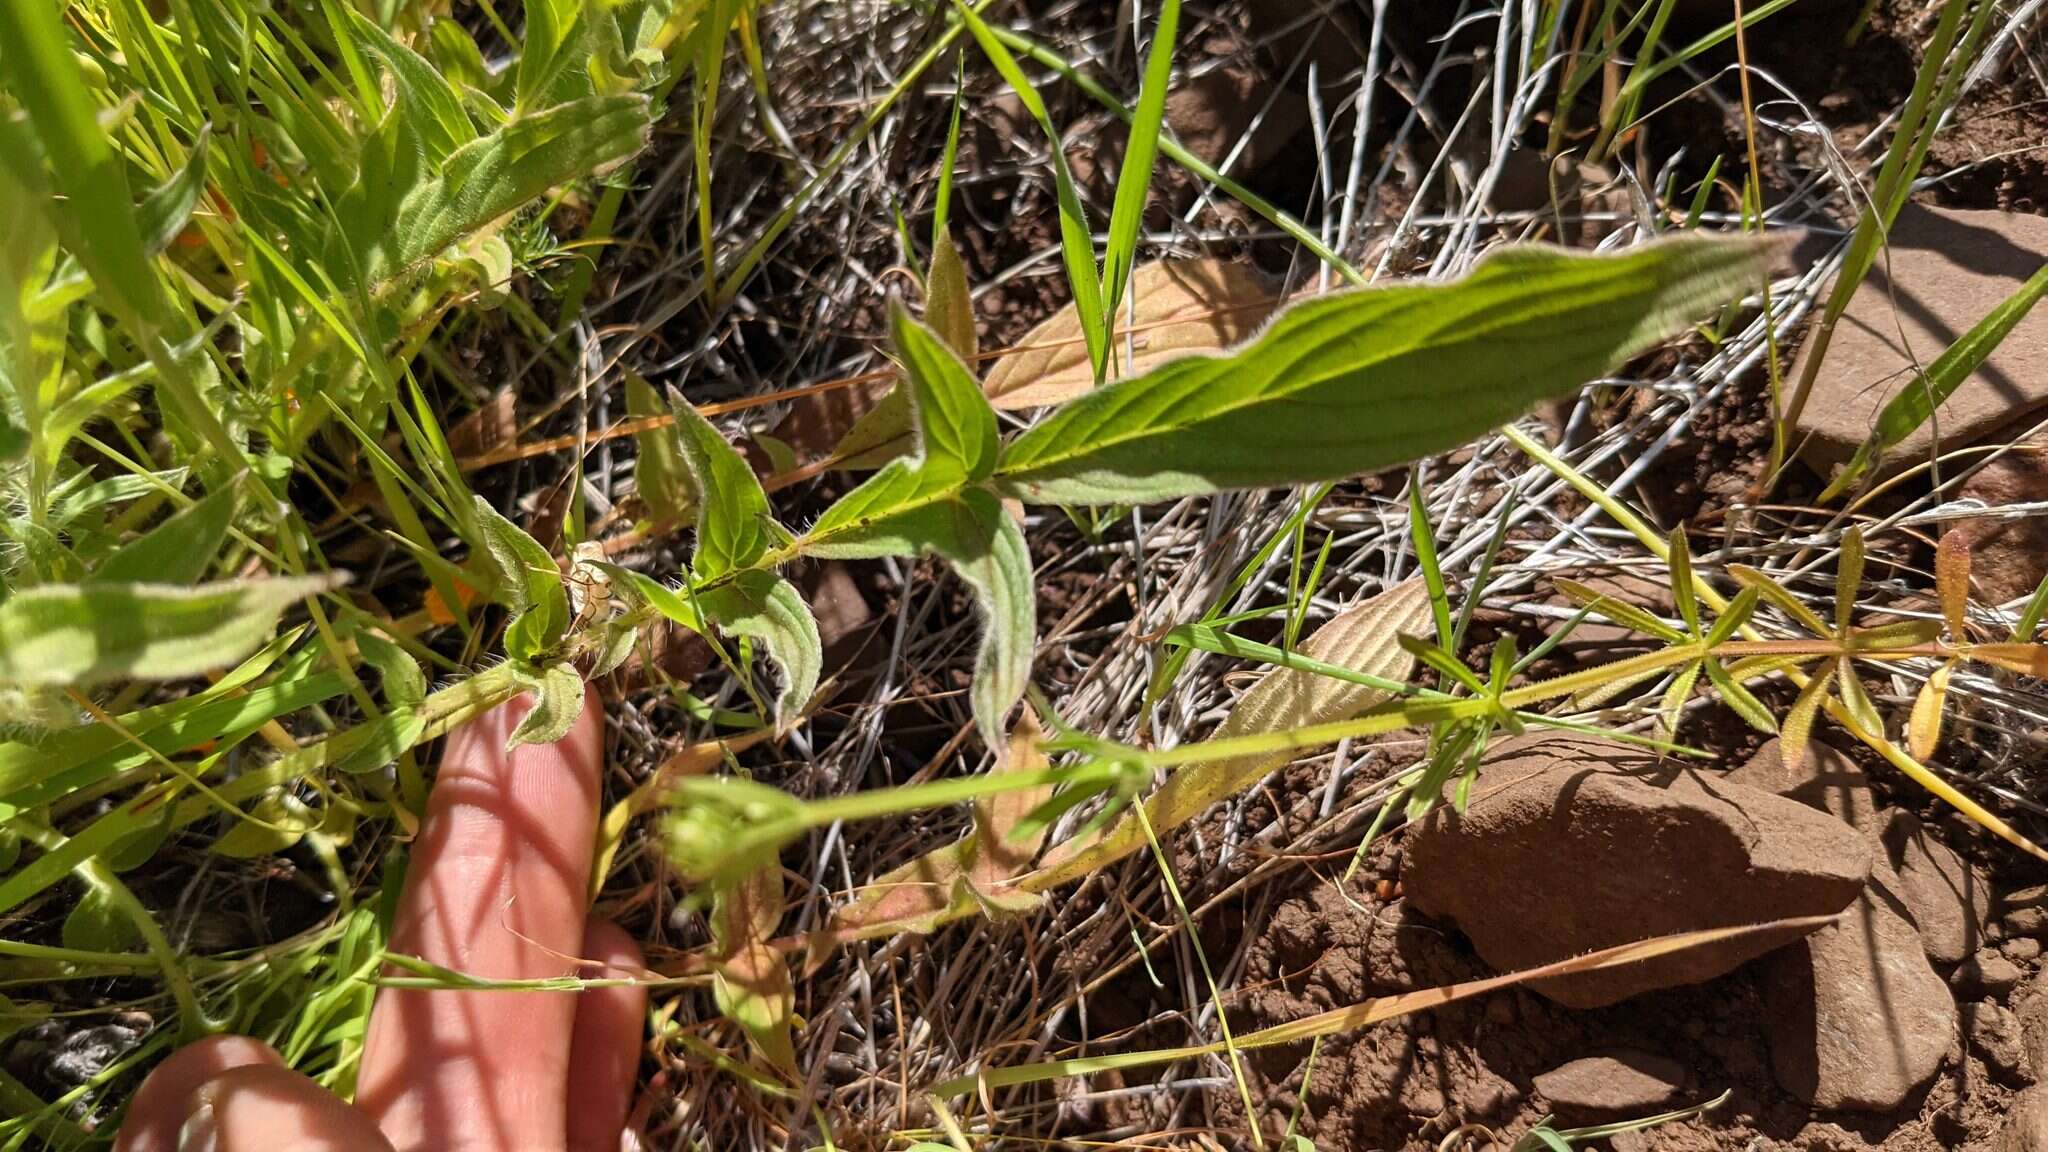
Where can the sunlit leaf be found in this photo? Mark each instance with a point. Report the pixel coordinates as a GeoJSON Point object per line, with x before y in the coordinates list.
{"type": "Point", "coordinates": [1360, 380]}
{"type": "Point", "coordinates": [1923, 729]}
{"type": "Point", "coordinates": [1952, 583]}
{"type": "Point", "coordinates": [557, 701]}
{"type": "Point", "coordinates": [83, 634]}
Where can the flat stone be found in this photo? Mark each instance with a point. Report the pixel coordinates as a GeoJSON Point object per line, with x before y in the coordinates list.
{"type": "Point", "coordinates": [1856, 1017]}
{"type": "Point", "coordinates": [1574, 843]}
{"type": "Point", "coordinates": [2008, 557]}
{"type": "Point", "coordinates": [1995, 1035]}
{"type": "Point", "coordinates": [1989, 973]}
{"type": "Point", "coordinates": [1617, 1084]}
{"type": "Point", "coordinates": [1598, 640]}
{"type": "Point", "coordinates": [1947, 898]}
{"type": "Point", "coordinates": [2021, 949]}
{"type": "Point", "coordinates": [1826, 779]}
{"type": "Point", "coordinates": [1944, 269]}
{"type": "Point", "coordinates": [2026, 1122]}
{"type": "Point", "coordinates": [2029, 922]}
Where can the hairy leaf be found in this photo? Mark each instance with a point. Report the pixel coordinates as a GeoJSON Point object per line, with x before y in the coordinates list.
{"type": "Point", "coordinates": [497, 174]}
{"type": "Point", "coordinates": [1354, 381]}
{"type": "Point", "coordinates": [1365, 638]}
{"type": "Point", "coordinates": [1179, 307]}
{"type": "Point", "coordinates": [83, 634]}
{"type": "Point", "coordinates": [765, 607]}
{"type": "Point", "coordinates": [557, 701]}
{"type": "Point", "coordinates": [733, 524]}
{"type": "Point", "coordinates": [922, 503]}
{"type": "Point", "coordinates": [885, 432]}
{"type": "Point", "coordinates": [1923, 728]}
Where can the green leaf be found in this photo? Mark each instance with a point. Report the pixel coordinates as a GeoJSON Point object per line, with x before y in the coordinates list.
{"type": "Point", "coordinates": [428, 101]}
{"type": "Point", "coordinates": [656, 595]}
{"type": "Point", "coordinates": [1077, 243]}
{"type": "Point", "coordinates": [923, 503]}
{"type": "Point", "coordinates": [659, 472]}
{"type": "Point", "coordinates": [42, 73]}
{"type": "Point", "coordinates": [275, 823]}
{"type": "Point", "coordinates": [497, 174]}
{"type": "Point", "coordinates": [1744, 703]}
{"type": "Point", "coordinates": [84, 634]}
{"type": "Point", "coordinates": [168, 207]}
{"type": "Point", "coordinates": [1619, 611]}
{"type": "Point", "coordinates": [1362, 380]}
{"type": "Point", "coordinates": [177, 551]}
{"type": "Point", "coordinates": [733, 523]}
{"type": "Point", "coordinates": [528, 582]}
{"type": "Point", "coordinates": [1134, 180]}
{"type": "Point", "coordinates": [765, 607]}
{"type": "Point", "coordinates": [97, 924]}
{"type": "Point", "coordinates": [405, 685]}
{"type": "Point", "coordinates": [1682, 591]}
{"type": "Point", "coordinates": [557, 701]}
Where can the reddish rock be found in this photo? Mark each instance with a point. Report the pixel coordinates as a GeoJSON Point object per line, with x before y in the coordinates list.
{"type": "Point", "coordinates": [1623, 1083]}
{"type": "Point", "coordinates": [1947, 898]}
{"type": "Point", "coordinates": [2009, 557]}
{"type": "Point", "coordinates": [2026, 1122]}
{"type": "Point", "coordinates": [1856, 1017]}
{"type": "Point", "coordinates": [1943, 271]}
{"type": "Point", "coordinates": [1574, 843]}
{"type": "Point", "coordinates": [1826, 779]}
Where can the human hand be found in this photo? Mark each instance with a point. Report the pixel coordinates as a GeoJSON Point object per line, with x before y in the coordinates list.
{"type": "Point", "coordinates": [496, 889]}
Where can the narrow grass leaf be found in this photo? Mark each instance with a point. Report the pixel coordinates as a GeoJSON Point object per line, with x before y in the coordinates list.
{"type": "Point", "coordinates": [85, 634]}
{"type": "Point", "coordinates": [1077, 243]}
{"type": "Point", "coordinates": [1134, 180]}
{"type": "Point", "coordinates": [1362, 1015]}
{"type": "Point", "coordinates": [1355, 381]}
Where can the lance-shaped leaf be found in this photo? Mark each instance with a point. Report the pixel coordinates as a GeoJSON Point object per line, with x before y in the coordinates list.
{"type": "Point", "coordinates": [1916, 402]}
{"type": "Point", "coordinates": [962, 878]}
{"type": "Point", "coordinates": [659, 473]}
{"type": "Point", "coordinates": [734, 532]}
{"type": "Point", "coordinates": [885, 432]}
{"type": "Point", "coordinates": [61, 634]}
{"type": "Point", "coordinates": [177, 551]}
{"type": "Point", "coordinates": [928, 502]}
{"type": "Point", "coordinates": [1356, 381]}
{"type": "Point", "coordinates": [1365, 638]}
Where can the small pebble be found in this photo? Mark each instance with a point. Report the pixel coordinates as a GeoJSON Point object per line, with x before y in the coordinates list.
{"type": "Point", "coordinates": [1994, 1034]}
{"type": "Point", "coordinates": [1988, 972]}
{"type": "Point", "coordinates": [2028, 921]}
{"type": "Point", "coordinates": [2021, 949]}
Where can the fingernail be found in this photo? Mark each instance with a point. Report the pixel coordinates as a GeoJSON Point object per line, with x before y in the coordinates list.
{"type": "Point", "coordinates": [199, 1133]}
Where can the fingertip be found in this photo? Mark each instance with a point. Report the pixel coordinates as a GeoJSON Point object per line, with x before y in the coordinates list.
{"type": "Point", "coordinates": [604, 1051]}
{"type": "Point", "coordinates": [158, 1108]}
{"type": "Point", "coordinates": [263, 1108]}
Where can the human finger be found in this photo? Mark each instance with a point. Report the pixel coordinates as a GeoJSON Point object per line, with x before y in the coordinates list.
{"type": "Point", "coordinates": [604, 1050]}
{"type": "Point", "coordinates": [497, 889]}
{"type": "Point", "coordinates": [159, 1106]}
{"type": "Point", "coordinates": [266, 1108]}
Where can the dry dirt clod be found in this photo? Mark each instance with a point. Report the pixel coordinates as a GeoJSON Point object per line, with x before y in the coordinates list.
{"type": "Point", "coordinates": [1987, 972]}
{"type": "Point", "coordinates": [1827, 779]}
{"type": "Point", "coordinates": [1943, 270]}
{"type": "Point", "coordinates": [1948, 899]}
{"type": "Point", "coordinates": [1574, 843]}
{"type": "Point", "coordinates": [2026, 1123]}
{"type": "Point", "coordinates": [1996, 1035]}
{"type": "Point", "coordinates": [1856, 1017]}
{"type": "Point", "coordinates": [1624, 1082]}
